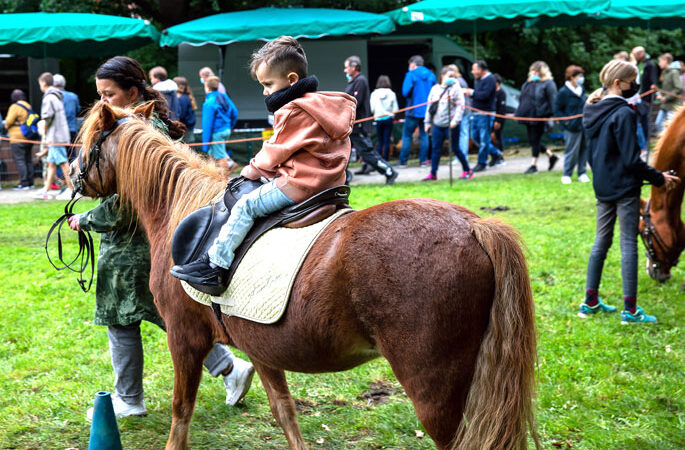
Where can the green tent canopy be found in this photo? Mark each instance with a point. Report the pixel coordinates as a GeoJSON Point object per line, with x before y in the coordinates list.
{"type": "Point", "coordinates": [270, 23]}
{"type": "Point", "coordinates": [465, 16]}
{"type": "Point", "coordinates": [64, 35]}
{"type": "Point", "coordinates": [661, 14]}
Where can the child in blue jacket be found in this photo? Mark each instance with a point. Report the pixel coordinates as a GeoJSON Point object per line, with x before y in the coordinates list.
{"type": "Point", "coordinates": [219, 116]}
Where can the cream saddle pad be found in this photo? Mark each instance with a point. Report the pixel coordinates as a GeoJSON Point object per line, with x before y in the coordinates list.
{"type": "Point", "coordinates": [261, 285]}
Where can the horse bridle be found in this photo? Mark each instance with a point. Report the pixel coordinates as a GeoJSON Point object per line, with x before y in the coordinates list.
{"type": "Point", "coordinates": [86, 252]}
{"type": "Point", "coordinates": [652, 240]}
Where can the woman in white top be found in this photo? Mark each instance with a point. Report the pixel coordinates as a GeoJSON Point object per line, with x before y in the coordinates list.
{"type": "Point", "coordinates": [383, 105]}
{"type": "Point", "coordinates": [443, 114]}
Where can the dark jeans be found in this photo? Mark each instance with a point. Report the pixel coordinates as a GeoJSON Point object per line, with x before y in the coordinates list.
{"type": "Point", "coordinates": [628, 211]}
{"type": "Point", "coordinates": [481, 127]}
{"type": "Point", "coordinates": [497, 142]}
{"type": "Point", "coordinates": [439, 136]}
{"type": "Point", "coordinates": [24, 160]}
{"type": "Point", "coordinates": [410, 124]}
{"type": "Point", "coordinates": [361, 141]}
{"type": "Point", "coordinates": [535, 133]}
{"type": "Point", "coordinates": [384, 132]}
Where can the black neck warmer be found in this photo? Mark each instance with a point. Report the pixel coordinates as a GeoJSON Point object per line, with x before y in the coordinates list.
{"type": "Point", "coordinates": [278, 99]}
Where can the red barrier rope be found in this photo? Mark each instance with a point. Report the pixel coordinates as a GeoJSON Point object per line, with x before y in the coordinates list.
{"type": "Point", "coordinates": [262, 138]}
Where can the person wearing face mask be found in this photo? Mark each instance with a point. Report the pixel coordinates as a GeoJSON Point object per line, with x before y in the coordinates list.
{"type": "Point", "coordinates": [538, 95]}
{"type": "Point", "coordinates": [618, 172]}
{"type": "Point", "coordinates": [443, 115]}
{"type": "Point", "coordinates": [570, 101]}
{"type": "Point", "coordinates": [207, 72]}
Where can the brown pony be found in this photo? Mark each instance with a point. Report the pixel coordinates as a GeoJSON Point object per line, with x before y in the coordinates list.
{"type": "Point", "coordinates": [661, 225]}
{"type": "Point", "coordinates": [441, 293]}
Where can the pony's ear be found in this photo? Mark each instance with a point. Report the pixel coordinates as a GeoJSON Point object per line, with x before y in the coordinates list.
{"type": "Point", "coordinates": [145, 111]}
{"type": "Point", "coordinates": [107, 116]}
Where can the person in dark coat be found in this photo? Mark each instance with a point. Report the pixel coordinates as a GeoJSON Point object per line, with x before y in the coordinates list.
{"type": "Point", "coordinates": [648, 78]}
{"type": "Point", "coordinates": [358, 87]}
{"type": "Point", "coordinates": [498, 125]}
{"type": "Point", "coordinates": [187, 107]}
{"type": "Point", "coordinates": [618, 172]}
{"type": "Point", "coordinates": [570, 102]}
{"type": "Point", "coordinates": [538, 95]}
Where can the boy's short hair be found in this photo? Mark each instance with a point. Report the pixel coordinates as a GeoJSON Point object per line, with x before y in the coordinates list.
{"type": "Point", "coordinates": [212, 83]}
{"type": "Point", "coordinates": [159, 72]}
{"type": "Point", "coordinates": [46, 77]}
{"type": "Point", "coordinates": [284, 55]}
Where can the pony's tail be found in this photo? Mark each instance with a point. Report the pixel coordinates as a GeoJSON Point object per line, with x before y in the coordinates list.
{"type": "Point", "coordinates": [499, 405]}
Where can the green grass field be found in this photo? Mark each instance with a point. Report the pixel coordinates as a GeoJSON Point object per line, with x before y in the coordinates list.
{"type": "Point", "coordinates": [601, 385]}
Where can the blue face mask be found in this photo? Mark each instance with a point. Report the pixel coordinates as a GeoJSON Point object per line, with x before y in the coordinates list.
{"type": "Point", "coordinates": [580, 80]}
{"type": "Point", "coordinates": [202, 81]}
{"type": "Point", "coordinates": [535, 78]}
{"type": "Point", "coordinates": [348, 76]}
{"type": "Point", "coordinates": [450, 81]}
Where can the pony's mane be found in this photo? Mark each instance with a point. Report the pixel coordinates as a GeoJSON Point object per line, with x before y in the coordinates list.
{"type": "Point", "coordinates": [671, 139]}
{"type": "Point", "coordinates": [152, 171]}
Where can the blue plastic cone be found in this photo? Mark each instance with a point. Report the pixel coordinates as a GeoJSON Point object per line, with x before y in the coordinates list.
{"type": "Point", "coordinates": [104, 434]}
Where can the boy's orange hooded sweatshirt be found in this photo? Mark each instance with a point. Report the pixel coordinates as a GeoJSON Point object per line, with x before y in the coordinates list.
{"type": "Point", "coordinates": [310, 148]}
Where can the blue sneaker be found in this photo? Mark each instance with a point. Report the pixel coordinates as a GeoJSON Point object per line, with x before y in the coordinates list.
{"type": "Point", "coordinates": [584, 311]}
{"type": "Point", "coordinates": [638, 317]}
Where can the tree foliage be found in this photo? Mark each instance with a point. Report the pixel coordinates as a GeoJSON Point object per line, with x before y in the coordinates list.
{"type": "Point", "coordinates": [509, 52]}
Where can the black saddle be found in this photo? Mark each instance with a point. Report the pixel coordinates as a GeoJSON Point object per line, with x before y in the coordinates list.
{"type": "Point", "coordinates": [196, 233]}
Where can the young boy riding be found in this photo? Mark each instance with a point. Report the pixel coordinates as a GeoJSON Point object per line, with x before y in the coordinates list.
{"type": "Point", "coordinates": [306, 155]}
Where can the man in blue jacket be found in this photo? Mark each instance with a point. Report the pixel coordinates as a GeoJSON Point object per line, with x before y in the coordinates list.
{"type": "Point", "coordinates": [416, 87]}
{"type": "Point", "coordinates": [484, 98]}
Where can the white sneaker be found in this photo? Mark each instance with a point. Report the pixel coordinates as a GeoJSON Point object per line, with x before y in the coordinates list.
{"type": "Point", "coordinates": [565, 180]}
{"type": "Point", "coordinates": [238, 382]}
{"type": "Point", "coordinates": [584, 178]}
{"type": "Point", "coordinates": [122, 409]}
{"type": "Point", "coordinates": [42, 195]}
{"type": "Point", "coordinates": [64, 195]}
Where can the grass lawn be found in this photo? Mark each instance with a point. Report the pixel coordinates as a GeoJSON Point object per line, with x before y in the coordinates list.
{"type": "Point", "coordinates": [601, 385]}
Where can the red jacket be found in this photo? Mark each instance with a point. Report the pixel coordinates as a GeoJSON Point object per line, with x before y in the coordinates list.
{"type": "Point", "coordinates": [310, 148]}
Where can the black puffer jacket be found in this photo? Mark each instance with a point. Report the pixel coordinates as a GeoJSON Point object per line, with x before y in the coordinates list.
{"type": "Point", "coordinates": [537, 99]}
{"type": "Point", "coordinates": [618, 171]}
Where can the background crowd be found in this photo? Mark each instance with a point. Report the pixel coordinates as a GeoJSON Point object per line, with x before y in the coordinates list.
{"type": "Point", "coordinates": [444, 114]}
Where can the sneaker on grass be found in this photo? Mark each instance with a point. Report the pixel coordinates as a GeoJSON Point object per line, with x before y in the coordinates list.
{"type": "Point", "coordinates": [585, 311]}
{"type": "Point", "coordinates": [122, 409]}
{"type": "Point", "coordinates": [638, 317]}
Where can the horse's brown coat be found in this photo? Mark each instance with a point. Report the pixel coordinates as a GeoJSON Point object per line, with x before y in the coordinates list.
{"type": "Point", "coordinates": [409, 280]}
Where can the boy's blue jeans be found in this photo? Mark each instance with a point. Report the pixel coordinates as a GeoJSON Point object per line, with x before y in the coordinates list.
{"type": "Point", "coordinates": [261, 202]}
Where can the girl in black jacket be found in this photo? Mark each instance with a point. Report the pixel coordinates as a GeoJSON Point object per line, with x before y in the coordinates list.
{"type": "Point", "coordinates": [538, 95]}
{"type": "Point", "coordinates": [610, 123]}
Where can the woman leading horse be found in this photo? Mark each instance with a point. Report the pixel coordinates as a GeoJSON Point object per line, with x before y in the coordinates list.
{"type": "Point", "coordinates": [461, 340]}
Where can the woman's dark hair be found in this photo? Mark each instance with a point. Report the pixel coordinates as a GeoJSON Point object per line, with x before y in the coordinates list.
{"type": "Point", "coordinates": [127, 73]}
{"type": "Point", "coordinates": [17, 95]}
{"type": "Point", "coordinates": [383, 82]}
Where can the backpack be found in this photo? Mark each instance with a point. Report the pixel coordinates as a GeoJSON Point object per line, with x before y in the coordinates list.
{"type": "Point", "coordinates": [30, 127]}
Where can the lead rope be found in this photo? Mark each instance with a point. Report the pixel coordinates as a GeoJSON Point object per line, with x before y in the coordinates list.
{"type": "Point", "coordinates": [86, 251]}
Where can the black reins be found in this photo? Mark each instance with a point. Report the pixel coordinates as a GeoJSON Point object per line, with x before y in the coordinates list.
{"type": "Point", "coordinates": [86, 250]}
{"type": "Point", "coordinates": [652, 240]}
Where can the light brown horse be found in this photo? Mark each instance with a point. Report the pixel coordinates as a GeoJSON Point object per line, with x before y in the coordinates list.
{"type": "Point", "coordinates": [661, 224]}
{"type": "Point", "coordinates": [441, 293]}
